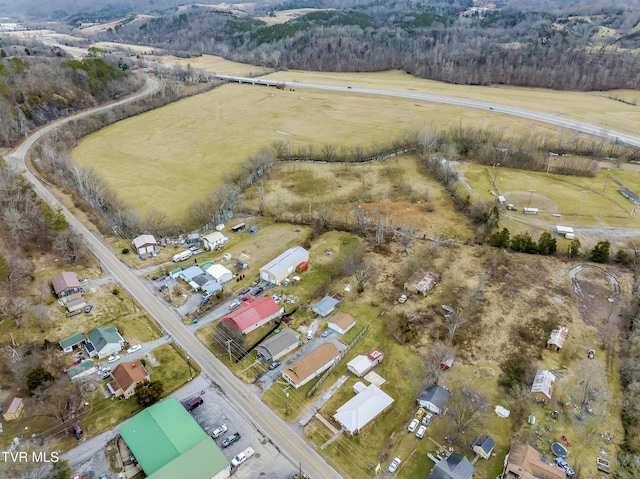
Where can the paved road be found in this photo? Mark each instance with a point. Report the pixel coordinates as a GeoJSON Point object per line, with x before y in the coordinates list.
{"type": "Point", "coordinates": [245, 397]}
{"type": "Point", "coordinates": [449, 100]}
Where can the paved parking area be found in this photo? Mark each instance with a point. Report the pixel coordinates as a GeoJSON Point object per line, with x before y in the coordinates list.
{"type": "Point", "coordinates": [268, 462]}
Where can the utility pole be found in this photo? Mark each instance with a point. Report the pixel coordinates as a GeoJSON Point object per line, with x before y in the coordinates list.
{"type": "Point", "coordinates": [531, 192]}
{"type": "Point", "coordinates": [229, 347]}
{"type": "Point", "coordinates": [189, 364]}
{"type": "Point", "coordinates": [286, 400]}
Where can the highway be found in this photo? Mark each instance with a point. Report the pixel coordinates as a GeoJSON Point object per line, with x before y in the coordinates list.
{"type": "Point", "coordinates": [245, 397]}
{"type": "Point", "coordinates": [489, 107]}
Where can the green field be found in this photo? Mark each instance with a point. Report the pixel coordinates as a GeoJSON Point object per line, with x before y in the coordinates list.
{"type": "Point", "coordinates": [169, 158]}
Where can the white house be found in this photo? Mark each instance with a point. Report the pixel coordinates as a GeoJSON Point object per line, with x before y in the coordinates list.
{"type": "Point", "coordinates": [362, 409]}
{"type": "Point", "coordinates": [220, 273]}
{"type": "Point", "coordinates": [341, 322]}
{"type": "Point", "coordinates": [277, 270]}
{"type": "Point", "coordinates": [361, 365]}
{"type": "Point", "coordinates": [144, 244]}
{"type": "Point", "coordinates": [214, 240]}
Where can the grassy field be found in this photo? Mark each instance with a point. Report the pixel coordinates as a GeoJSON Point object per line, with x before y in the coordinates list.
{"type": "Point", "coordinates": [214, 64]}
{"type": "Point", "coordinates": [168, 158]}
{"type": "Point", "coordinates": [599, 108]}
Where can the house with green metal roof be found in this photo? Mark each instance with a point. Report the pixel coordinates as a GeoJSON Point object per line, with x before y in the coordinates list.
{"type": "Point", "coordinates": [103, 342]}
{"type": "Point", "coordinates": [167, 442]}
{"type": "Point", "coordinates": [82, 370]}
{"type": "Point", "coordinates": [72, 342]}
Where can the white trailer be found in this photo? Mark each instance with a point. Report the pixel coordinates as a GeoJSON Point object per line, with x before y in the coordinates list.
{"type": "Point", "coordinates": [565, 231]}
{"type": "Point", "coordinates": [530, 211]}
{"type": "Point", "coordinates": [182, 256]}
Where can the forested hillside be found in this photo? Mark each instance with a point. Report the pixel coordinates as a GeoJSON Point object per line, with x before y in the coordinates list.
{"type": "Point", "coordinates": [581, 46]}
{"type": "Point", "coordinates": [39, 84]}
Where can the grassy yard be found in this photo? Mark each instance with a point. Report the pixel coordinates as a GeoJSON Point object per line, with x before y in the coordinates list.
{"type": "Point", "coordinates": [168, 158]}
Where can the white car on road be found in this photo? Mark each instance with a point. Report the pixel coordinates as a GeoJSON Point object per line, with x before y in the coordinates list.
{"type": "Point", "coordinates": [134, 348]}
{"type": "Point", "coordinates": [113, 359]}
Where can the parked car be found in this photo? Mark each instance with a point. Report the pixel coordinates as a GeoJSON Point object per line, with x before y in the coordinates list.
{"type": "Point", "coordinates": [253, 229]}
{"type": "Point", "coordinates": [113, 359]}
{"type": "Point", "coordinates": [194, 403]}
{"type": "Point", "coordinates": [393, 467]}
{"type": "Point", "coordinates": [420, 413]}
{"type": "Point", "coordinates": [274, 365]}
{"type": "Point", "coordinates": [233, 306]}
{"type": "Point", "coordinates": [219, 431]}
{"type": "Point", "coordinates": [413, 425]}
{"type": "Point", "coordinates": [402, 298]}
{"type": "Point", "coordinates": [257, 291]}
{"type": "Point", "coordinates": [245, 290]}
{"type": "Point", "coordinates": [243, 456]}
{"type": "Point", "coordinates": [134, 348]}
{"type": "Point", "coordinates": [426, 420]}
{"type": "Point", "coordinates": [103, 476]}
{"type": "Point", "coordinates": [163, 277]}
{"type": "Point", "coordinates": [235, 437]}
{"type": "Point", "coordinates": [325, 333]}
{"type": "Point", "coordinates": [421, 431]}
{"type": "Point", "coordinates": [88, 308]}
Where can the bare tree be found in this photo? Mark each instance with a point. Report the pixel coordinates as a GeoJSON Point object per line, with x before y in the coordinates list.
{"type": "Point", "coordinates": [69, 245]}
{"type": "Point", "coordinates": [433, 360]}
{"type": "Point", "coordinates": [466, 409]}
{"type": "Point", "coordinates": [57, 399]}
{"type": "Point", "coordinates": [453, 321]}
{"type": "Point", "coordinates": [358, 265]}
{"type": "Point", "coordinates": [14, 308]}
{"type": "Point", "coordinates": [18, 225]}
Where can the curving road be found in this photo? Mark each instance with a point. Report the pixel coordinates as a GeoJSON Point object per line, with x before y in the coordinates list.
{"type": "Point", "coordinates": [579, 126]}
{"type": "Point", "coordinates": [245, 397]}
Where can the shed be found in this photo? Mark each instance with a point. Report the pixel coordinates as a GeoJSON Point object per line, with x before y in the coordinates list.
{"type": "Point", "coordinates": [278, 345]}
{"type": "Point", "coordinates": [311, 365]}
{"type": "Point", "coordinates": [483, 446]}
{"type": "Point", "coordinates": [144, 244]}
{"type": "Point", "coordinates": [220, 273]}
{"type": "Point", "coordinates": [542, 388]}
{"type": "Point", "coordinates": [174, 273]}
{"type": "Point", "coordinates": [72, 342]}
{"type": "Point", "coordinates": [193, 239]}
{"type": "Point", "coordinates": [421, 282]}
{"type": "Point", "coordinates": [15, 410]}
{"type": "Point", "coordinates": [363, 408]}
{"type": "Point", "coordinates": [362, 364]}
{"type": "Point", "coordinates": [282, 266]}
{"type": "Point", "coordinates": [303, 266]}
{"type": "Point", "coordinates": [358, 387]}
{"type": "Point", "coordinates": [327, 305]}
{"type": "Point", "coordinates": [84, 369]}
{"type": "Point", "coordinates": [341, 322]}
{"type": "Point", "coordinates": [557, 338]}
{"type": "Point", "coordinates": [76, 304]}
{"type": "Point", "coordinates": [434, 398]}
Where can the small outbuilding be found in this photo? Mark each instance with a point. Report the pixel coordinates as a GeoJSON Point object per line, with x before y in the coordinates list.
{"type": "Point", "coordinates": [341, 322]}
{"type": "Point", "coordinates": [483, 446]}
{"type": "Point", "coordinates": [15, 410]}
{"type": "Point", "coordinates": [557, 338]}
{"type": "Point", "coordinates": [434, 398]}
{"type": "Point", "coordinates": [278, 345]}
{"type": "Point", "coordinates": [542, 388]}
{"type": "Point", "coordinates": [83, 370]}
{"type": "Point", "coordinates": [278, 269]}
{"type": "Point", "coordinates": [72, 343]}
{"type": "Point", "coordinates": [327, 305]}
{"type": "Point", "coordinates": [144, 244]}
{"type": "Point", "coordinates": [362, 409]}
{"type": "Point", "coordinates": [421, 282]}
{"type": "Point", "coordinates": [76, 304]}
{"type": "Point", "coordinates": [362, 364]}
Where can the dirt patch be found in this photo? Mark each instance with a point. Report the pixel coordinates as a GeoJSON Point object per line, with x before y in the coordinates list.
{"type": "Point", "coordinates": [598, 293]}
{"type": "Point", "coordinates": [521, 200]}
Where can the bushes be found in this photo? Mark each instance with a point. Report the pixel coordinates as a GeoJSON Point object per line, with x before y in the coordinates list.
{"type": "Point", "coordinates": [600, 253]}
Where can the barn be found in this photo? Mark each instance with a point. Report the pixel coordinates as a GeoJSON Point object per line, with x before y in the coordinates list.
{"type": "Point", "coordinates": [144, 244]}
{"type": "Point", "coordinates": [278, 269]}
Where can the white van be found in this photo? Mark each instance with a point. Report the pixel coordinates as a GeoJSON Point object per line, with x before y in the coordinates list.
{"type": "Point", "coordinates": [310, 335]}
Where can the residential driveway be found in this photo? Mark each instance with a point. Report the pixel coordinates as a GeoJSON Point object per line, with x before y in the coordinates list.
{"type": "Point", "coordinates": [89, 458]}
{"type": "Point", "coordinates": [139, 354]}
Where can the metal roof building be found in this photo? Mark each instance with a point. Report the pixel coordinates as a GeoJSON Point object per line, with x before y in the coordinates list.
{"type": "Point", "coordinates": [169, 443]}
{"type": "Point", "coordinates": [360, 410]}
{"type": "Point", "coordinates": [276, 270]}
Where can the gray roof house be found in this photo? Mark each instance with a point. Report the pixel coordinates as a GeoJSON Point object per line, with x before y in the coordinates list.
{"type": "Point", "coordinates": [483, 446]}
{"type": "Point", "coordinates": [326, 305]}
{"type": "Point", "coordinates": [103, 342]}
{"type": "Point", "coordinates": [191, 272]}
{"type": "Point", "coordinates": [434, 398]}
{"type": "Point", "coordinates": [278, 345]}
{"type": "Point", "coordinates": [456, 466]}
{"type": "Point", "coordinates": [72, 342]}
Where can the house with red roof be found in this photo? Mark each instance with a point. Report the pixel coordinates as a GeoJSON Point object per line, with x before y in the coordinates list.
{"type": "Point", "coordinates": [254, 314]}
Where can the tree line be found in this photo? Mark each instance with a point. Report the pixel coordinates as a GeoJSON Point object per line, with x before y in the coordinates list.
{"type": "Point", "coordinates": [553, 47]}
